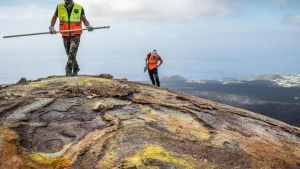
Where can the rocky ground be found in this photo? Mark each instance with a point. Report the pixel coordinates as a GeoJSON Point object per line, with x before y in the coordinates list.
{"type": "Point", "coordinates": [95, 122]}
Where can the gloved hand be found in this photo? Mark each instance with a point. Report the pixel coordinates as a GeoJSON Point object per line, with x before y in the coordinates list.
{"type": "Point", "coordinates": [145, 69]}
{"type": "Point", "coordinates": [52, 30]}
{"type": "Point", "coordinates": [90, 28]}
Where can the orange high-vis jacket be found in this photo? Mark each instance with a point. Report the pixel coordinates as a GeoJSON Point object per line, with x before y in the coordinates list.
{"type": "Point", "coordinates": [70, 23]}
{"type": "Point", "coordinates": [153, 61]}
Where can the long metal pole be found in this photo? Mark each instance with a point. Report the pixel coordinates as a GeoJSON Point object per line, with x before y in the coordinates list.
{"type": "Point", "coordinates": [43, 33]}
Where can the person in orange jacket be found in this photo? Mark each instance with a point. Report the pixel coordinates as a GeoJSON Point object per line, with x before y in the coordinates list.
{"type": "Point", "coordinates": [71, 16]}
{"type": "Point", "coordinates": [153, 61]}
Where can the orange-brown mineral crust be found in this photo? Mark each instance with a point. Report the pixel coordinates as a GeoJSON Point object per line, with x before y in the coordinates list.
{"type": "Point", "coordinates": [93, 122]}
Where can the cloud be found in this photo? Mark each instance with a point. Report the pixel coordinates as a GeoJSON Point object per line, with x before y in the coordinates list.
{"type": "Point", "coordinates": [145, 10]}
{"type": "Point", "coordinates": [129, 10]}
{"type": "Point", "coordinates": [291, 20]}
{"type": "Point", "coordinates": [285, 2]}
{"type": "Point", "coordinates": [28, 12]}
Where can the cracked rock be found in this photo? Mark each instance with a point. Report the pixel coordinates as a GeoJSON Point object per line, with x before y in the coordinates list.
{"type": "Point", "coordinates": [104, 123]}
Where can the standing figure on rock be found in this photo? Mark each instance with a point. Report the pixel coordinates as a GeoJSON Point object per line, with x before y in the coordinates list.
{"type": "Point", "coordinates": [152, 64]}
{"type": "Point", "coordinates": [71, 16]}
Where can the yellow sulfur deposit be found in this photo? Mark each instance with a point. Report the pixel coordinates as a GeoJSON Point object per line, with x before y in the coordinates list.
{"type": "Point", "coordinates": [91, 122]}
{"type": "Point", "coordinates": [47, 162]}
{"type": "Point", "coordinates": [157, 153]}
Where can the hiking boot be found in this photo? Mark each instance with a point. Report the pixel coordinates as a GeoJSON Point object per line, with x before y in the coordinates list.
{"type": "Point", "coordinates": [75, 72]}
{"type": "Point", "coordinates": [69, 74]}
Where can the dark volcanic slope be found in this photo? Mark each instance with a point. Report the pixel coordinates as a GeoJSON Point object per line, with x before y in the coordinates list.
{"type": "Point", "coordinates": [263, 97]}
{"type": "Point", "coordinates": [91, 122]}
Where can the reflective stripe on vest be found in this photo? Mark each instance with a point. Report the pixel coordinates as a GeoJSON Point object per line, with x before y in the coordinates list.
{"type": "Point", "coordinates": [66, 23]}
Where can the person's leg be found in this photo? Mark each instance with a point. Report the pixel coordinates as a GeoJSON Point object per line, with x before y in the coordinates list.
{"type": "Point", "coordinates": [155, 73]}
{"type": "Point", "coordinates": [76, 68]}
{"type": "Point", "coordinates": [151, 76]}
{"type": "Point", "coordinates": [75, 41]}
{"type": "Point", "coordinates": [67, 43]}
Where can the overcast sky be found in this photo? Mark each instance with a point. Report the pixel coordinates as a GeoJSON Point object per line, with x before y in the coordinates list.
{"type": "Point", "coordinates": [198, 39]}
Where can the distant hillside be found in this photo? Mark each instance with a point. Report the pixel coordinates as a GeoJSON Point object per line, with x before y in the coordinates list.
{"type": "Point", "coordinates": [284, 80]}
{"type": "Point", "coordinates": [267, 77]}
{"type": "Point", "coordinates": [174, 78]}
{"type": "Point", "coordinates": [271, 98]}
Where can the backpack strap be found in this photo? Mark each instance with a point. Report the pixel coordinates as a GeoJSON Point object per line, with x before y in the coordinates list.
{"type": "Point", "coordinates": [148, 56]}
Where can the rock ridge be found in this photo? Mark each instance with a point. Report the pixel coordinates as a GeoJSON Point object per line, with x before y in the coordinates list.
{"type": "Point", "coordinates": [100, 122]}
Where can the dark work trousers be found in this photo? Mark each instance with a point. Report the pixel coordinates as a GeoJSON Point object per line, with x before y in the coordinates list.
{"type": "Point", "coordinates": [71, 44]}
{"type": "Point", "coordinates": [154, 77]}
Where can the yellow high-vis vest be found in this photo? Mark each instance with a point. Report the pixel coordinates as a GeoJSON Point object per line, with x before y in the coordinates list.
{"type": "Point", "coordinates": [72, 23]}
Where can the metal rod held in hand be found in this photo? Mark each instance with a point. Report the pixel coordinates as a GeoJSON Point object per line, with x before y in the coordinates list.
{"type": "Point", "coordinates": [44, 33]}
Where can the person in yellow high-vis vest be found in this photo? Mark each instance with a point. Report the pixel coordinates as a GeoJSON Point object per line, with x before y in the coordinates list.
{"type": "Point", "coordinates": [71, 16]}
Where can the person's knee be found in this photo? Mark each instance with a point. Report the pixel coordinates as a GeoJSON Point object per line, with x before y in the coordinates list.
{"type": "Point", "coordinates": [72, 56]}
{"type": "Point", "coordinates": [71, 61]}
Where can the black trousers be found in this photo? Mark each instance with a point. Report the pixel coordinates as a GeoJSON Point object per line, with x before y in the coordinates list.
{"type": "Point", "coordinates": [154, 77]}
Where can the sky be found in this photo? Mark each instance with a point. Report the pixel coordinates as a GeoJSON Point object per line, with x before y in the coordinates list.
{"type": "Point", "coordinates": [198, 39]}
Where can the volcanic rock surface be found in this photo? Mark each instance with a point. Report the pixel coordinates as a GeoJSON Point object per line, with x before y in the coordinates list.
{"type": "Point", "coordinates": [92, 122]}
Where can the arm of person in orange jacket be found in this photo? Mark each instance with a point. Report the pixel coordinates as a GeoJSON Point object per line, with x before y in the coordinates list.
{"type": "Point", "coordinates": [160, 61]}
